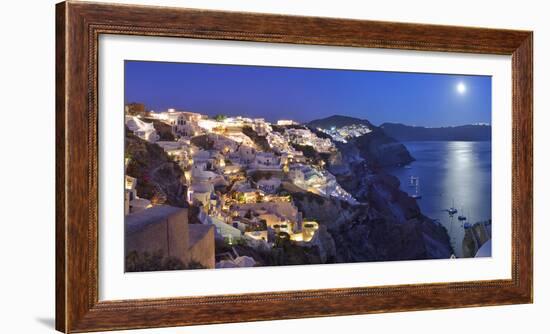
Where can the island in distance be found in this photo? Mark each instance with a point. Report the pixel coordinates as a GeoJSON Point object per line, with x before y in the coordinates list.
{"type": "Point", "coordinates": [242, 192]}
{"type": "Point", "coordinates": [469, 132]}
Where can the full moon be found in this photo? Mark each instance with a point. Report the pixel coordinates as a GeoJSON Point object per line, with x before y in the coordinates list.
{"type": "Point", "coordinates": [461, 88]}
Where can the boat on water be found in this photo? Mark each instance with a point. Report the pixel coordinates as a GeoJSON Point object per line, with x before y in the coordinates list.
{"type": "Point", "coordinates": [416, 195]}
{"type": "Point", "coordinates": [462, 217]}
{"type": "Point", "coordinates": [413, 181]}
{"type": "Point", "coordinates": [452, 210]}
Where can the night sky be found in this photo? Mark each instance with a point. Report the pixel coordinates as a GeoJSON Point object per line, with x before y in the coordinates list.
{"type": "Point", "coordinates": [307, 94]}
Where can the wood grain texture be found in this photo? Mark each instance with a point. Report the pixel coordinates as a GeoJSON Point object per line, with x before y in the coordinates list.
{"type": "Point", "coordinates": [60, 180]}
{"type": "Point", "coordinates": [78, 28]}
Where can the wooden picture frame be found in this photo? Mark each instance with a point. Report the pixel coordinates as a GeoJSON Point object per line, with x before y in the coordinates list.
{"type": "Point", "coordinates": [78, 26]}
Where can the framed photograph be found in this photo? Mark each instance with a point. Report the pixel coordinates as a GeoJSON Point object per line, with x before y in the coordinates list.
{"type": "Point", "coordinates": [223, 167]}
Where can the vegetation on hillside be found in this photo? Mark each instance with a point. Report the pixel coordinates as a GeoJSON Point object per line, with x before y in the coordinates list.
{"type": "Point", "coordinates": [146, 261]}
{"type": "Point", "coordinates": [159, 177]}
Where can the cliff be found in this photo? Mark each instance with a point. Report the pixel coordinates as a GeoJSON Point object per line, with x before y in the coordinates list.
{"type": "Point", "coordinates": [379, 150]}
{"type": "Point", "coordinates": [159, 179]}
{"type": "Point", "coordinates": [387, 226]}
{"type": "Point", "coordinates": [475, 237]}
{"type": "Point", "coordinates": [376, 148]}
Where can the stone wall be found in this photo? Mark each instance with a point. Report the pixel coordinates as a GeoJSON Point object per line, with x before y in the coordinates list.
{"type": "Point", "coordinates": [166, 229]}
{"type": "Point", "coordinates": [202, 245]}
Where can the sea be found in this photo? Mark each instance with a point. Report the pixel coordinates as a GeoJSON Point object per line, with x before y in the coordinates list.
{"type": "Point", "coordinates": [449, 174]}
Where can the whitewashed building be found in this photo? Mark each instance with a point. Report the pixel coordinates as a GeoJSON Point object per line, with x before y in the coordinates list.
{"type": "Point", "coordinates": [141, 129]}
{"type": "Point", "coordinates": [133, 203]}
{"type": "Point", "coordinates": [187, 124]}
{"type": "Point", "coordinates": [269, 186]}
{"type": "Point", "coordinates": [266, 161]}
{"type": "Point", "coordinates": [247, 154]}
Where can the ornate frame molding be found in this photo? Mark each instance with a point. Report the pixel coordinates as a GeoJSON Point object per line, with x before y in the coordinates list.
{"type": "Point", "coordinates": [78, 27]}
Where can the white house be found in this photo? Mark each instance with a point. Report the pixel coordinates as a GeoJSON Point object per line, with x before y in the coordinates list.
{"type": "Point", "coordinates": [143, 130]}
{"type": "Point", "coordinates": [169, 117]}
{"type": "Point", "coordinates": [261, 126]}
{"type": "Point", "coordinates": [267, 161]}
{"type": "Point", "coordinates": [187, 124]}
{"type": "Point", "coordinates": [180, 151]}
{"type": "Point", "coordinates": [247, 154]}
{"type": "Point", "coordinates": [223, 144]}
{"type": "Point", "coordinates": [285, 122]}
{"type": "Point", "coordinates": [132, 203]}
{"type": "Point", "coordinates": [184, 123]}
{"type": "Point", "coordinates": [201, 192]}
{"type": "Point", "coordinates": [269, 186]}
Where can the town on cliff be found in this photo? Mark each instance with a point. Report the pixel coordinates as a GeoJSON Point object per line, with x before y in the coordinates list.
{"type": "Point", "coordinates": [226, 192]}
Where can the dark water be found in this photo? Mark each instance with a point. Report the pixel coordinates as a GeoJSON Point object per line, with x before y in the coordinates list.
{"type": "Point", "coordinates": [450, 174]}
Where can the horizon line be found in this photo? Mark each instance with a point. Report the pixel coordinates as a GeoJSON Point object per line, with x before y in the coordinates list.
{"type": "Point", "coordinates": [316, 119]}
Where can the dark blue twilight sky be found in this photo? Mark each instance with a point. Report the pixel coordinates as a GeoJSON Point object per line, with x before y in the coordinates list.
{"type": "Point", "coordinates": [307, 94]}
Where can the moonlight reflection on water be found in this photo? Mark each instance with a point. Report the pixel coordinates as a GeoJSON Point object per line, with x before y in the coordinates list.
{"type": "Point", "coordinates": [451, 174]}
